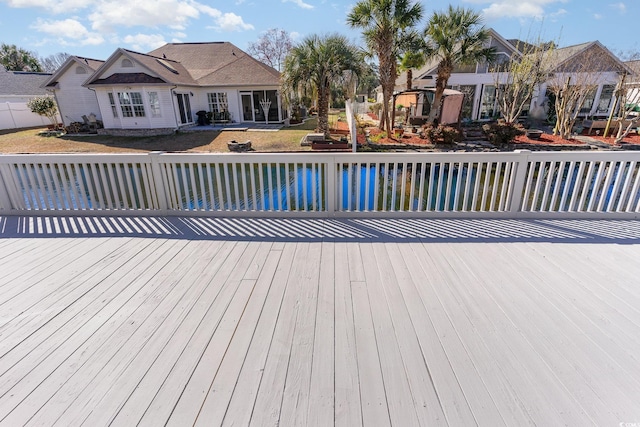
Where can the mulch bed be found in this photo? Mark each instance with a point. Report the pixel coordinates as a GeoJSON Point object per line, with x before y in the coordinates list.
{"type": "Point", "coordinates": [547, 139]}
{"type": "Point", "coordinates": [633, 138]}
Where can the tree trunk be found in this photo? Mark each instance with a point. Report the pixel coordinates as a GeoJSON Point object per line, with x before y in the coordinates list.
{"type": "Point", "coordinates": [444, 72]}
{"type": "Point", "coordinates": [409, 78]}
{"type": "Point", "coordinates": [323, 111]}
{"type": "Point", "coordinates": [388, 82]}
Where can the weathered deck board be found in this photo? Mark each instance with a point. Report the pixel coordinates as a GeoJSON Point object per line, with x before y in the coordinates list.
{"type": "Point", "coordinates": [427, 325]}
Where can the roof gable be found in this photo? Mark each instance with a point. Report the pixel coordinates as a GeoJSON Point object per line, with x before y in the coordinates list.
{"type": "Point", "coordinates": [497, 41]}
{"type": "Point", "coordinates": [91, 64]}
{"type": "Point", "coordinates": [591, 56]}
{"type": "Point", "coordinates": [157, 70]}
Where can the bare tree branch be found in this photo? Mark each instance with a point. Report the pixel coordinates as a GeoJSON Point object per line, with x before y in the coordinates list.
{"type": "Point", "coordinates": [272, 48]}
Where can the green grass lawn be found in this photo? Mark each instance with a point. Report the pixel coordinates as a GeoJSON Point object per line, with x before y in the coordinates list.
{"type": "Point", "coordinates": [28, 141]}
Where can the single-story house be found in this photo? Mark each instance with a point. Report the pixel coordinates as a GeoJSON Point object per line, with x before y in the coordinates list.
{"type": "Point", "coordinates": [16, 89]}
{"type": "Point", "coordinates": [74, 100]}
{"type": "Point", "coordinates": [163, 90]}
{"type": "Point", "coordinates": [478, 81]}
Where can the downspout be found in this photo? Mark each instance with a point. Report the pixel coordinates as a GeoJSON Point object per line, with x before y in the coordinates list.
{"type": "Point", "coordinates": [175, 116]}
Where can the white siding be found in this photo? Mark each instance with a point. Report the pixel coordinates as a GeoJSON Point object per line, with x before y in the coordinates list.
{"type": "Point", "coordinates": [201, 101]}
{"type": "Point", "coordinates": [165, 120]}
{"type": "Point", "coordinates": [73, 99]}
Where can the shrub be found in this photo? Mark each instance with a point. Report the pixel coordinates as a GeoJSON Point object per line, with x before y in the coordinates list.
{"type": "Point", "coordinates": [442, 134]}
{"type": "Point", "coordinates": [375, 108]}
{"type": "Point", "coordinates": [501, 132]}
{"type": "Point", "coordinates": [45, 106]}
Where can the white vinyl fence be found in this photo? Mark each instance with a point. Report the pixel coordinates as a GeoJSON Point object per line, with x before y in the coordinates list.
{"type": "Point", "coordinates": [16, 115]}
{"type": "Point", "coordinates": [517, 184]}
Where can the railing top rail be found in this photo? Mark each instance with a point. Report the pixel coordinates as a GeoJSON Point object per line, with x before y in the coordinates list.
{"type": "Point", "coordinates": [312, 157]}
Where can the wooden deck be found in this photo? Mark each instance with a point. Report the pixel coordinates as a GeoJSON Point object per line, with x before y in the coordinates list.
{"type": "Point", "coordinates": [169, 321]}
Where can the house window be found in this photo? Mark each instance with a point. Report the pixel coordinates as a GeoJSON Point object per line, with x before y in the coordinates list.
{"type": "Point", "coordinates": [112, 101]}
{"type": "Point", "coordinates": [126, 63]}
{"type": "Point", "coordinates": [588, 101]}
{"type": "Point", "coordinates": [218, 102]}
{"type": "Point", "coordinates": [219, 106]}
{"type": "Point", "coordinates": [131, 104]}
{"type": "Point", "coordinates": [605, 98]}
{"type": "Point", "coordinates": [80, 70]}
{"type": "Point", "coordinates": [154, 104]}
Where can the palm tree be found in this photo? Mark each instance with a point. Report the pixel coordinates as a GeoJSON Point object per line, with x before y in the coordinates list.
{"type": "Point", "coordinates": [383, 24]}
{"type": "Point", "coordinates": [455, 37]}
{"type": "Point", "coordinates": [413, 54]}
{"type": "Point", "coordinates": [320, 62]}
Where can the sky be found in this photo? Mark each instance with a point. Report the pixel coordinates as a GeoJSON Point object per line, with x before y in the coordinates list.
{"type": "Point", "coordinates": [96, 28]}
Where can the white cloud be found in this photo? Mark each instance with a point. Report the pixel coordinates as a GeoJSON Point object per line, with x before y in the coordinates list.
{"type": "Point", "coordinates": [299, 3]}
{"type": "Point", "coordinates": [145, 42]}
{"type": "Point", "coordinates": [597, 16]}
{"type": "Point", "coordinates": [516, 8]}
{"type": "Point", "coordinates": [68, 31]}
{"type": "Point", "coordinates": [109, 14]}
{"type": "Point", "coordinates": [295, 35]}
{"type": "Point", "coordinates": [54, 6]}
{"type": "Point", "coordinates": [231, 22]}
{"type": "Point", "coordinates": [621, 7]}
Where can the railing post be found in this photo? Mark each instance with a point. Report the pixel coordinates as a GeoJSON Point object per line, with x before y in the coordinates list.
{"type": "Point", "coordinates": [159, 181]}
{"type": "Point", "coordinates": [519, 181]}
{"type": "Point", "coordinates": [331, 186]}
{"type": "Point", "coordinates": [5, 199]}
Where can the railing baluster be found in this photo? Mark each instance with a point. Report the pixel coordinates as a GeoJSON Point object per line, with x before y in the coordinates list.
{"type": "Point", "coordinates": [245, 190]}
{"type": "Point", "coordinates": [447, 194]}
{"type": "Point", "coordinates": [227, 187]}
{"type": "Point", "coordinates": [622, 206]}
{"type": "Point", "coordinates": [236, 186]}
{"type": "Point", "coordinates": [494, 190]}
{"type": "Point", "coordinates": [423, 167]}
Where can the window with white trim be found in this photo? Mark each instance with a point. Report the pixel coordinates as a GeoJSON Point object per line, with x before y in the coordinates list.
{"type": "Point", "coordinates": [131, 104]}
{"type": "Point", "coordinates": [112, 101]}
{"type": "Point", "coordinates": [80, 70]}
{"type": "Point", "coordinates": [154, 104]}
{"type": "Point", "coordinates": [218, 102]}
{"type": "Point", "coordinates": [126, 63]}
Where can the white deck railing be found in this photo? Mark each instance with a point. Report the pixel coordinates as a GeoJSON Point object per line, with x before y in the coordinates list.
{"type": "Point", "coordinates": [517, 184]}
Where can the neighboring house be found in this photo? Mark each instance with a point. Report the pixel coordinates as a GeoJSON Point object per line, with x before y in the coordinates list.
{"type": "Point", "coordinates": [16, 89]}
{"type": "Point", "coordinates": [590, 63]}
{"type": "Point", "coordinates": [163, 90]}
{"type": "Point", "coordinates": [478, 83]}
{"type": "Point", "coordinates": [74, 100]}
{"type": "Point", "coordinates": [475, 81]}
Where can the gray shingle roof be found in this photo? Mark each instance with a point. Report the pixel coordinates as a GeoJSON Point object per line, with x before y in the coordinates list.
{"type": "Point", "coordinates": [125, 78]}
{"type": "Point", "coordinates": [22, 83]}
{"type": "Point", "coordinates": [219, 64]}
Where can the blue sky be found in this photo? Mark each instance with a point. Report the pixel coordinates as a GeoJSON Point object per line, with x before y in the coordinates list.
{"type": "Point", "coordinates": [95, 28]}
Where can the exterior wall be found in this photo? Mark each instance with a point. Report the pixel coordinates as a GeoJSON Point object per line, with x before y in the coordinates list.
{"type": "Point", "coordinates": [73, 99]}
{"type": "Point", "coordinates": [165, 120]}
{"type": "Point", "coordinates": [607, 78]}
{"type": "Point", "coordinates": [200, 100]}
